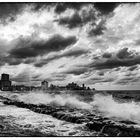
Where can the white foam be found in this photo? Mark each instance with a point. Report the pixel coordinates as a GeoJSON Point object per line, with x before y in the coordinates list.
{"type": "Point", "coordinates": [61, 100]}
{"type": "Point", "coordinates": [112, 108]}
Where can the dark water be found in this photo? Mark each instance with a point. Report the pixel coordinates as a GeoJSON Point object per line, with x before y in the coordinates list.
{"type": "Point", "coordinates": [113, 113]}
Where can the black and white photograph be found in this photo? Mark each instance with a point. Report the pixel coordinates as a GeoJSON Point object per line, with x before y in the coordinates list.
{"type": "Point", "coordinates": [69, 69]}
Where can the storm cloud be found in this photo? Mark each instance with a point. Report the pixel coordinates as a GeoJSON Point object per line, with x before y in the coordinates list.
{"type": "Point", "coordinates": [106, 8]}
{"type": "Point", "coordinates": [86, 15]}
{"type": "Point", "coordinates": [61, 7]}
{"type": "Point", "coordinates": [9, 11]}
{"type": "Point", "coordinates": [63, 42]}
{"type": "Point", "coordinates": [29, 48]}
{"type": "Point", "coordinates": [122, 58]}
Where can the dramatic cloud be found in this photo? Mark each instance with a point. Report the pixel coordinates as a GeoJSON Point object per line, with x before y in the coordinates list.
{"type": "Point", "coordinates": [123, 58]}
{"type": "Point", "coordinates": [127, 80]}
{"type": "Point", "coordinates": [69, 53]}
{"type": "Point", "coordinates": [61, 7]}
{"type": "Point", "coordinates": [29, 48]}
{"type": "Point", "coordinates": [124, 54]}
{"type": "Point", "coordinates": [97, 29]}
{"type": "Point", "coordinates": [74, 21]}
{"type": "Point", "coordinates": [107, 55]}
{"type": "Point", "coordinates": [92, 43]}
{"type": "Point", "coordinates": [106, 8]}
{"type": "Point", "coordinates": [86, 15]}
{"type": "Point", "coordinates": [9, 11]}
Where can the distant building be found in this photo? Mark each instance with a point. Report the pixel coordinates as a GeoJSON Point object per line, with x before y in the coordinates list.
{"type": "Point", "coordinates": [5, 83]}
{"type": "Point", "coordinates": [83, 87]}
{"type": "Point", "coordinates": [44, 85]}
{"type": "Point", "coordinates": [5, 77]}
{"type": "Point", "coordinates": [73, 86]}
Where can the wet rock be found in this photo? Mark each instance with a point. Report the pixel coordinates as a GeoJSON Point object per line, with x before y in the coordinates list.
{"type": "Point", "coordinates": [111, 130]}
{"type": "Point", "coordinates": [2, 127]}
{"type": "Point", "coordinates": [27, 125]}
{"type": "Point", "coordinates": [60, 115]}
{"type": "Point", "coordinates": [43, 111]}
{"type": "Point", "coordinates": [120, 130]}
{"type": "Point", "coordinates": [64, 117]}
{"type": "Point", "coordinates": [72, 133]}
{"type": "Point", "coordinates": [54, 114]}
{"type": "Point", "coordinates": [79, 121]}
{"type": "Point", "coordinates": [127, 122]}
{"type": "Point", "coordinates": [97, 126]}
{"type": "Point", "coordinates": [82, 120]}
{"type": "Point", "coordinates": [99, 134]}
{"type": "Point", "coordinates": [42, 106]}
{"type": "Point", "coordinates": [90, 118]}
{"type": "Point", "coordinates": [74, 119]}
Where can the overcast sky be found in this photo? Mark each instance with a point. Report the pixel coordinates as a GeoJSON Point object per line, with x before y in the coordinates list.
{"type": "Point", "coordinates": [91, 43]}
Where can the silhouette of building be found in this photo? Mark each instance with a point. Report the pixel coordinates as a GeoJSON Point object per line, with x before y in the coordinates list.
{"type": "Point", "coordinates": [83, 87]}
{"type": "Point", "coordinates": [73, 86]}
{"type": "Point", "coordinates": [44, 85]}
{"type": "Point", "coordinates": [5, 77]}
{"type": "Point", "coordinates": [5, 83]}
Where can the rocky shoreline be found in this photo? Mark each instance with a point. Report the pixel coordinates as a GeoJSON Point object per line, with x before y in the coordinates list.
{"type": "Point", "coordinates": [92, 122]}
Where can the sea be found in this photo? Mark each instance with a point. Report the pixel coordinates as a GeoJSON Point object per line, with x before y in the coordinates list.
{"type": "Point", "coordinates": [70, 114]}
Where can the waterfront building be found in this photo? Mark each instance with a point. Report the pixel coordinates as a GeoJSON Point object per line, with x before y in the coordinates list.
{"type": "Point", "coordinates": [5, 83]}
{"type": "Point", "coordinates": [44, 85]}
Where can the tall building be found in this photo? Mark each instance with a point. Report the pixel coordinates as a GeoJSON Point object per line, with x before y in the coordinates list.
{"type": "Point", "coordinates": [5, 83]}
{"type": "Point", "coordinates": [44, 85]}
{"type": "Point", "coordinates": [5, 77]}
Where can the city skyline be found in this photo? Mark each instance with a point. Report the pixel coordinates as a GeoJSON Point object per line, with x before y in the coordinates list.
{"type": "Point", "coordinates": [45, 86]}
{"type": "Point", "coordinates": [90, 43]}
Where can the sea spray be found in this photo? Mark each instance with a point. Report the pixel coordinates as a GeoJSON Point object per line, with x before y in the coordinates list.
{"type": "Point", "coordinates": [54, 99]}
{"type": "Point", "coordinates": [112, 108]}
{"type": "Point", "coordinates": [105, 104]}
